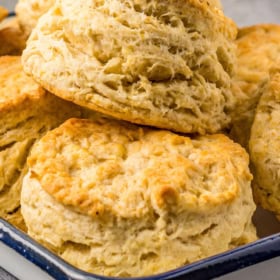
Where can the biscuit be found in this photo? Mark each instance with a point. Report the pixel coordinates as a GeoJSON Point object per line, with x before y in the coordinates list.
{"type": "Point", "coordinates": [27, 111]}
{"type": "Point", "coordinates": [3, 13]}
{"type": "Point", "coordinates": [265, 146]}
{"type": "Point", "coordinates": [12, 39]}
{"type": "Point", "coordinates": [258, 47]}
{"type": "Point", "coordinates": [120, 200]}
{"type": "Point", "coordinates": [29, 11]}
{"type": "Point", "coordinates": [160, 63]}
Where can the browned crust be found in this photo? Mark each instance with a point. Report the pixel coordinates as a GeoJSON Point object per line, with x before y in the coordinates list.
{"type": "Point", "coordinates": [48, 165]}
{"type": "Point", "coordinates": [266, 28]}
{"type": "Point", "coordinates": [11, 68]}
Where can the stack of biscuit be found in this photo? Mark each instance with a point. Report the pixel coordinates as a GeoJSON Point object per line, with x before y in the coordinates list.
{"type": "Point", "coordinates": [130, 200]}
{"type": "Point", "coordinates": [139, 176]}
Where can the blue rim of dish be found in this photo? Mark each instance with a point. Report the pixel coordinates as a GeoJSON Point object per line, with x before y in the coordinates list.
{"type": "Point", "coordinates": [219, 265]}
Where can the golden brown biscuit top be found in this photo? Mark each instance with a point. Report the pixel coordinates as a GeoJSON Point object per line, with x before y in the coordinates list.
{"type": "Point", "coordinates": [128, 171]}
{"type": "Point", "coordinates": [257, 49]}
{"type": "Point", "coordinates": [258, 45]}
{"type": "Point", "coordinates": [15, 85]}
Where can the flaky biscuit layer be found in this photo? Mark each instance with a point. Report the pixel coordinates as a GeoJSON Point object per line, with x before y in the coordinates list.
{"type": "Point", "coordinates": [161, 63]}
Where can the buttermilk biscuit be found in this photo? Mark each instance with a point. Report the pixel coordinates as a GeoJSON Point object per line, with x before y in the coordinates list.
{"type": "Point", "coordinates": [258, 47]}
{"type": "Point", "coordinates": [161, 63]}
{"type": "Point", "coordinates": [29, 11]}
{"type": "Point", "coordinates": [12, 39]}
{"type": "Point", "coordinates": [26, 113]}
{"type": "Point", "coordinates": [265, 146]}
{"type": "Point", "coordinates": [119, 200]}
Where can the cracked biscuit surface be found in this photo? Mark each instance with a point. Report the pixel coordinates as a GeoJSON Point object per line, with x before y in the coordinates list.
{"type": "Point", "coordinates": [265, 146]}
{"type": "Point", "coordinates": [27, 111]}
{"type": "Point", "coordinates": [161, 63]}
{"type": "Point", "coordinates": [116, 199]}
